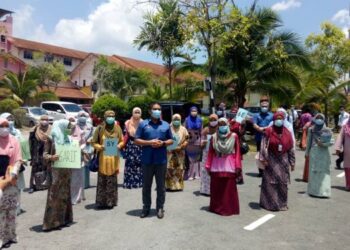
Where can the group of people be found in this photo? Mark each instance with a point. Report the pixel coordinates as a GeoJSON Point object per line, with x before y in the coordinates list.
{"type": "Point", "coordinates": [185, 149]}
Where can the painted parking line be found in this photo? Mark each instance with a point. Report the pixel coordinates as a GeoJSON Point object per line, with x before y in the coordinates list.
{"type": "Point", "coordinates": [259, 222]}
{"type": "Point", "coordinates": [341, 175]}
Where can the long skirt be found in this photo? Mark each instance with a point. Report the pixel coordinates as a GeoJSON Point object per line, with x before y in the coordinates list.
{"type": "Point", "coordinates": [274, 197]}
{"type": "Point", "coordinates": [133, 168]}
{"type": "Point", "coordinates": [86, 177]}
{"type": "Point", "coordinates": [205, 177]}
{"type": "Point", "coordinates": [77, 185]}
{"type": "Point", "coordinates": [347, 178]}
{"type": "Point", "coordinates": [8, 207]}
{"type": "Point", "coordinates": [58, 210]}
{"type": "Point", "coordinates": [224, 194]}
{"type": "Point", "coordinates": [175, 172]}
{"type": "Point", "coordinates": [107, 191]}
{"type": "Point", "coordinates": [306, 170]}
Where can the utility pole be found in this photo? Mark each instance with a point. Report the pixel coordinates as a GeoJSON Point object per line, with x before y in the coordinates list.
{"type": "Point", "coordinates": [209, 87]}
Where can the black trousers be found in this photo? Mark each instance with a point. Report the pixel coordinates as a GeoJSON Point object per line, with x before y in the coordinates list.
{"type": "Point", "coordinates": [159, 171]}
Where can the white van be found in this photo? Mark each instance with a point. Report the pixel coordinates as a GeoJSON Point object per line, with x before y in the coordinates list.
{"type": "Point", "coordinates": [61, 110]}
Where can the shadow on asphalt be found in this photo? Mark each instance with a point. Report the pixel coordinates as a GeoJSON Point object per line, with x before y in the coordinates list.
{"type": "Point", "coordinates": [137, 213]}
{"type": "Point", "coordinates": [206, 208]}
{"type": "Point", "coordinates": [252, 174]}
{"type": "Point", "coordinates": [197, 193]}
{"type": "Point", "coordinates": [39, 228]}
{"type": "Point", "coordinates": [299, 180]}
{"type": "Point", "coordinates": [93, 207]}
{"type": "Point", "coordinates": [254, 205]}
{"type": "Point", "coordinates": [301, 192]}
{"type": "Point", "coordinates": [340, 188]}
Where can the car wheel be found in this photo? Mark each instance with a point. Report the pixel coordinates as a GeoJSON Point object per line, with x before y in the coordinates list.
{"type": "Point", "coordinates": [31, 124]}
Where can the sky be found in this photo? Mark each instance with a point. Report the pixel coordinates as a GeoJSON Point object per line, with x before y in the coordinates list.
{"type": "Point", "coordinates": [110, 26]}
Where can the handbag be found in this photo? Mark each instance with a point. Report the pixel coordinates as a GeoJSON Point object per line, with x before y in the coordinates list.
{"type": "Point", "coordinates": [93, 164]}
{"type": "Point", "coordinates": [244, 148]}
{"type": "Point", "coordinates": [41, 181]}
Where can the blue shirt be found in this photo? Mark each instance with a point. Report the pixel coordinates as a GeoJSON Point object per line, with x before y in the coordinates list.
{"type": "Point", "coordinates": [262, 120]}
{"type": "Point", "coordinates": [148, 130]}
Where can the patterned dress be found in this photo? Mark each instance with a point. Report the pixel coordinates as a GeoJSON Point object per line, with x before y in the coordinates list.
{"type": "Point", "coordinates": [8, 215]}
{"type": "Point", "coordinates": [133, 169]}
{"type": "Point", "coordinates": [274, 186]}
{"type": "Point", "coordinates": [58, 211]}
{"type": "Point", "coordinates": [205, 177]}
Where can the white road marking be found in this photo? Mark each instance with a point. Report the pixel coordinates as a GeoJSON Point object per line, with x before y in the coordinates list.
{"type": "Point", "coordinates": [259, 222]}
{"type": "Point", "coordinates": [341, 175]}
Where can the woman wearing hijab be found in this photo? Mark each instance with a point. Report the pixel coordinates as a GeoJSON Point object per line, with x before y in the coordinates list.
{"type": "Point", "coordinates": [10, 160]}
{"type": "Point", "coordinates": [318, 142]}
{"type": "Point", "coordinates": [81, 132]}
{"type": "Point", "coordinates": [193, 124]}
{"type": "Point", "coordinates": [207, 135]}
{"type": "Point", "coordinates": [107, 182]}
{"type": "Point", "coordinates": [58, 212]}
{"type": "Point", "coordinates": [223, 164]}
{"type": "Point", "coordinates": [39, 176]}
{"type": "Point", "coordinates": [278, 157]}
{"type": "Point", "coordinates": [133, 169]}
{"type": "Point", "coordinates": [343, 145]}
{"type": "Point", "coordinates": [303, 147]}
{"type": "Point", "coordinates": [17, 134]}
{"type": "Point", "coordinates": [176, 157]}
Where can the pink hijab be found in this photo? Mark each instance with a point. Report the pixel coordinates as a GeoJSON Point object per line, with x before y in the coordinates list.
{"type": "Point", "coordinates": [10, 146]}
{"type": "Point", "coordinates": [347, 128]}
{"type": "Point", "coordinates": [132, 124]}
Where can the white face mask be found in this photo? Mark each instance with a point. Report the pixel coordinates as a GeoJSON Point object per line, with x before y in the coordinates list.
{"type": "Point", "coordinates": [44, 123]}
{"type": "Point", "coordinates": [4, 132]}
{"type": "Point", "coordinates": [213, 123]}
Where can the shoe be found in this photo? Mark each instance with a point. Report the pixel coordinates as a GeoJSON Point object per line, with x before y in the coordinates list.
{"type": "Point", "coordinates": [144, 214]}
{"type": "Point", "coordinates": [190, 179]}
{"type": "Point", "coordinates": [160, 213]}
{"type": "Point", "coordinates": [31, 191]}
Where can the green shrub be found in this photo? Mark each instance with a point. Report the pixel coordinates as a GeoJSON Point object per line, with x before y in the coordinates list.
{"type": "Point", "coordinates": [110, 102]}
{"type": "Point", "coordinates": [8, 105]}
{"type": "Point", "coordinates": [205, 120]}
{"type": "Point", "coordinates": [19, 115]}
{"type": "Point", "coordinates": [142, 102]}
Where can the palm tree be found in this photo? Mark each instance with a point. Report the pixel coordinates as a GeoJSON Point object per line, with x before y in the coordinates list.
{"type": "Point", "coordinates": [19, 85]}
{"type": "Point", "coordinates": [190, 91]}
{"type": "Point", "coordinates": [162, 35]}
{"type": "Point", "coordinates": [259, 58]}
{"type": "Point", "coordinates": [155, 92]}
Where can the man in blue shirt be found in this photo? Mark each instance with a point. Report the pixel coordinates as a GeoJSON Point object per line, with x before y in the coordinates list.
{"type": "Point", "coordinates": [261, 122]}
{"type": "Point", "coordinates": [154, 135]}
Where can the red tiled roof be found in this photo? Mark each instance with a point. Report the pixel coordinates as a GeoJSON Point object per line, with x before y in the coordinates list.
{"type": "Point", "coordinates": [66, 92]}
{"type": "Point", "coordinates": [47, 48]}
{"type": "Point", "coordinates": [156, 69]}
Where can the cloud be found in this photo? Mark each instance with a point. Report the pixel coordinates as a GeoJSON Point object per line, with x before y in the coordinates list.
{"type": "Point", "coordinates": [342, 17]}
{"type": "Point", "coordinates": [286, 4]}
{"type": "Point", "coordinates": [110, 28]}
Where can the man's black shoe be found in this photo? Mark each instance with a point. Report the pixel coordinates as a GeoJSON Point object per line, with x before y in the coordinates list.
{"type": "Point", "coordinates": [160, 213]}
{"type": "Point", "coordinates": [144, 214]}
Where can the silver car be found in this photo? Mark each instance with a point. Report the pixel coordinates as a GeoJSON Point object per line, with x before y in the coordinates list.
{"type": "Point", "coordinates": [32, 116]}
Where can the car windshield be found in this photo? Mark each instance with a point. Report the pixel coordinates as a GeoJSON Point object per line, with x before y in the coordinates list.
{"type": "Point", "coordinates": [38, 111]}
{"type": "Point", "coordinates": [72, 108]}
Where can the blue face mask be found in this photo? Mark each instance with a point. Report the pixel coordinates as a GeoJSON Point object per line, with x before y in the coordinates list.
{"type": "Point", "coordinates": [82, 120]}
{"type": "Point", "coordinates": [278, 123]}
{"type": "Point", "coordinates": [156, 114]}
{"type": "Point", "coordinates": [223, 129]}
{"type": "Point", "coordinates": [219, 112]}
{"type": "Point", "coordinates": [264, 109]}
{"type": "Point", "coordinates": [319, 122]}
{"type": "Point", "coordinates": [176, 123]}
{"type": "Point", "coordinates": [110, 120]}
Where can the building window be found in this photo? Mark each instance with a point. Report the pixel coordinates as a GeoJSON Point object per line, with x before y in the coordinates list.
{"type": "Point", "coordinates": [67, 61]}
{"type": "Point", "coordinates": [49, 58]}
{"type": "Point", "coordinates": [27, 54]}
{"type": "Point", "coordinates": [84, 83]}
{"type": "Point", "coordinates": [6, 63]}
{"type": "Point", "coordinates": [3, 38]}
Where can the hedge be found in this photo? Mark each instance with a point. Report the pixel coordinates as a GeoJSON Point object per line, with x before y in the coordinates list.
{"type": "Point", "coordinates": [110, 102]}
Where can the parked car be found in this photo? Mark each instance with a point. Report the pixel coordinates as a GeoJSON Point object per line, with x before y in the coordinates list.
{"type": "Point", "coordinates": [61, 110]}
{"type": "Point", "coordinates": [173, 107]}
{"type": "Point", "coordinates": [33, 114]}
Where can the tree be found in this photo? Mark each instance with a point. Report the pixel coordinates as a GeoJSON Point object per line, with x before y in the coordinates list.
{"type": "Point", "coordinates": [259, 58]}
{"type": "Point", "coordinates": [156, 92]}
{"type": "Point", "coordinates": [162, 34]}
{"type": "Point", "coordinates": [190, 90]}
{"type": "Point", "coordinates": [48, 74]}
{"type": "Point", "coordinates": [20, 85]}
{"type": "Point", "coordinates": [121, 81]}
{"type": "Point", "coordinates": [330, 54]}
